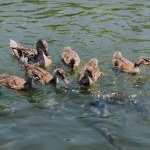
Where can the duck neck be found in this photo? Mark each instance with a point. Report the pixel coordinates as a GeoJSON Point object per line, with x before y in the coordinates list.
{"type": "Point", "coordinates": [40, 52]}
{"type": "Point", "coordinates": [54, 80]}
{"type": "Point", "coordinates": [136, 66]}
{"type": "Point", "coordinates": [72, 64]}
{"type": "Point", "coordinates": [86, 80]}
{"type": "Point", "coordinates": [136, 69]}
{"type": "Point", "coordinates": [29, 83]}
{"type": "Point", "coordinates": [138, 62]}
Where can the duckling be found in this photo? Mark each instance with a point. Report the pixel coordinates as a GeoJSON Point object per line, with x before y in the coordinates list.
{"type": "Point", "coordinates": [43, 76]}
{"type": "Point", "coordinates": [15, 82]}
{"type": "Point", "coordinates": [70, 58]}
{"type": "Point", "coordinates": [89, 73]}
{"type": "Point", "coordinates": [40, 56]}
{"type": "Point", "coordinates": [127, 66]}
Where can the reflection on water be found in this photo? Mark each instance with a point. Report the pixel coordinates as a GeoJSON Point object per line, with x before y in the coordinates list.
{"type": "Point", "coordinates": [77, 117]}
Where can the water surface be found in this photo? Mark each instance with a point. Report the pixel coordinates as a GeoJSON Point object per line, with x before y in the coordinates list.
{"type": "Point", "coordinates": [61, 117]}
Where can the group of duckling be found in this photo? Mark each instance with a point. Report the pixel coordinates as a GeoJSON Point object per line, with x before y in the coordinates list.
{"type": "Point", "coordinates": [35, 60]}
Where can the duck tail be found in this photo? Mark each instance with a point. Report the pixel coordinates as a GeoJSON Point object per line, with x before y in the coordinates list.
{"type": "Point", "coordinates": [117, 55]}
{"type": "Point", "coordinates": [13, 44]}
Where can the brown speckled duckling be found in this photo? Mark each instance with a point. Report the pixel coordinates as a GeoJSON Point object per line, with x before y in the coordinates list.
{"type": "Point", "coordinates": [40, 56]}
{"type": "Point", "coordinates": [127, 66]}
{"type": "Point", "coordinates": [43, 76]}
{"type": "Point", "coordinates": [89, 73]}
{"type": "Point", "coordinates": [15, 82]}
{"type": "Point", "coordinates": [70, 58]}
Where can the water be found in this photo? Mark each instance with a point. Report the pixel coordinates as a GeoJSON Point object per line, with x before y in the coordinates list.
{"type": "Point", "coordinates": [61, 118]}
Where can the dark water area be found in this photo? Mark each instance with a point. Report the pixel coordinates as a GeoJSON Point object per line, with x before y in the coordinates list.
{"type": "Point", "coordinates": [73, 117]}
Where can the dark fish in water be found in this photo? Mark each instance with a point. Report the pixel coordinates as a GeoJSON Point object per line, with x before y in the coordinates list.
{"type": "Point", "coordinates": [108, 135]}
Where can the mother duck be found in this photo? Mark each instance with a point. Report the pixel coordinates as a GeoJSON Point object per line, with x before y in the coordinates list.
{"type": "Point", "coordinates": [40, 56]}
{"type": "Point", "coordinates": [127, 66]}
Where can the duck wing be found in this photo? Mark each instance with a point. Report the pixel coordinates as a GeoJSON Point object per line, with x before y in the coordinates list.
{"type": "Point", "coordinates": [11, 81]}
{"type": "Point", "coordinates": [40, 74]}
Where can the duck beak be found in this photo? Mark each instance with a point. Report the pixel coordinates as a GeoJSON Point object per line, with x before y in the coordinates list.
{"type": "Point", "coordinates": [66, 81]}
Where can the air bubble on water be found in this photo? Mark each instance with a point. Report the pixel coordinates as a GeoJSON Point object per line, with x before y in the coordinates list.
{"type": "Point", "coordinates": [133, 95]}
{"type": "Point", "coordinates": [114, 82]}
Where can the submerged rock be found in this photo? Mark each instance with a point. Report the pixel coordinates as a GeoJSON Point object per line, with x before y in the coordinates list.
{"type": "Point", "coordinates": [6, 110]}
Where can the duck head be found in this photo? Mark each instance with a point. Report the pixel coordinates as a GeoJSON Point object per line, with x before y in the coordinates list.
{"type": "Point", "coordinates": [42, 45]}
{"type": "Point", "coordinates": [67, 54]}
{"type": "Point", "coordinates": [142, 60]}
{"type": "Point", "coordinates": [59, 73]}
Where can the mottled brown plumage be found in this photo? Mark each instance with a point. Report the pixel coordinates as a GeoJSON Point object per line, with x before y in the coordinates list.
{"type": "Point", "coordinates": [70, 58]}
{"type": "Point", "coordinates": [15, 82]}
{"type": "Point", "coordinates": [39, 56]}
{"type": "Point", "coordinates": [90, 73]}
{"type": "Point", "coordinates": [127, 66]}
{"type": "Point", "coordinates": [44, 76]}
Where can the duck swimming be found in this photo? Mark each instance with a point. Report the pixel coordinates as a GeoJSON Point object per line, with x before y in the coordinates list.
{"type": "Point", "coordinates": [127, 66]}
{"type": "Point", "coordinates": [90, 73]}
{"type": "Point", "coordinates": [70, 58]}
{"type": "Point", "coordinates": [40, 56]}
{"type": "Point", "coordinates": [15, 82]}
{"type": "Point", "coordinates": [43, 76]}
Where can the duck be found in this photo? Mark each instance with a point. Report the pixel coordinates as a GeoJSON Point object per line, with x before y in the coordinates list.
{"type": "Point", "coordinates": [125, 65]}
{"type": "Point", "coordinates": [89, 73]}
{"type": "Point", "coordinates": [15, 82]}
{"type": "Point", "coordinates": [44, 76]}
{"type": "Point", "coordinates": [38, 56]}
{"type": "Point", "coordinates": [70, 58]}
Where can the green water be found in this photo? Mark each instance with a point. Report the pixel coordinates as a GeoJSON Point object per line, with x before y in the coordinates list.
{"type": "Point", "coordinates": [61, 118]}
